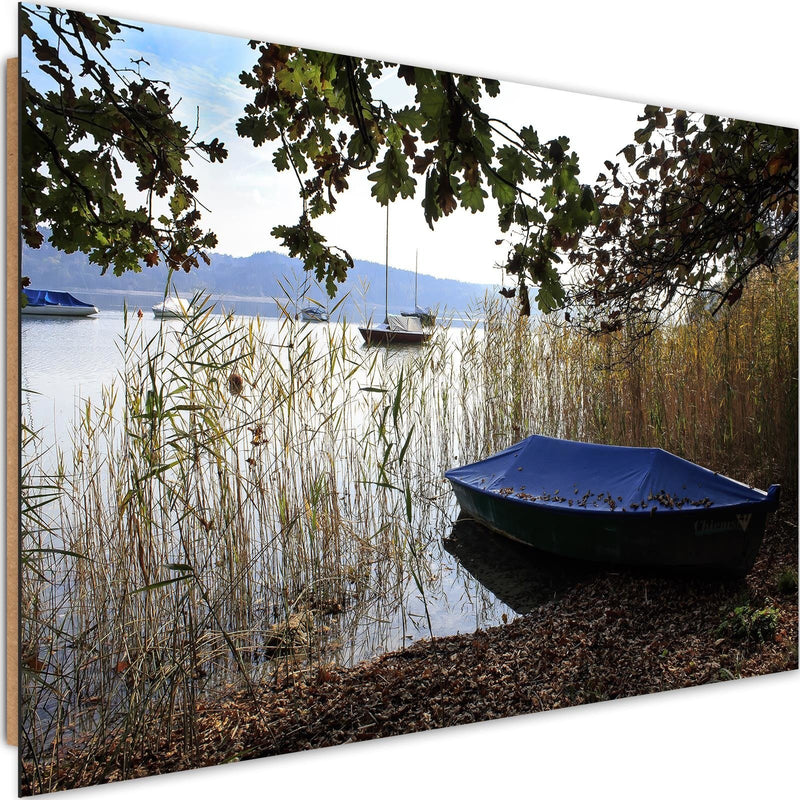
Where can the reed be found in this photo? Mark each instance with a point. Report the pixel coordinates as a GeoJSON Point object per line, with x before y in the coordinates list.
{"type": "Point", "coordinates": [253, 499]}
{"type": "Point", "coordinates": [719, 391]}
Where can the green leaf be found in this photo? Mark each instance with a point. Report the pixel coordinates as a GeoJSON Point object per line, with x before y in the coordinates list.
{"type": "Point", "coordinates": [587, 199]}
{"type": "Point", "coordinates": [472, 197]}
{"type": "Point", "coordinates": [281, 159]}
{"type": "Point", "coordinates": [629, 152]}
{"type": "Point", "coordinates": [397, 398]}
{"type": "Point", "coordinates": [531, 139]}
{"type": "Point", "coordinates": [430, 204]}
{"type": "Point", "coordinates": [432, 101]}
{"type": "Point", "coordinates": [716, 193]}
{"type": "Point", "coordinates": [289, 80]}
{"type": "Point", "coordinates": [492, 87]}
{"type": "Point", "coordinates": [411, 118]}
{"type": "Point", "coordinates": [392, 178]}
{"type": "Point", "coordinates": [179, 202]}
{"type": "Point", "coordinates": [511, 168]}
{"type": "Point", "coordinates": [501, 190]}
{"type": "Point", "coordinates": [29, 550]}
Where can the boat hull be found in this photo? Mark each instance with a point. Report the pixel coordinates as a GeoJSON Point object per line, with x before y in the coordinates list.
{"type": "Point", "coordinates": [718, 539]}
{"type": "Point", "coordinates": [383, 336]}
{"type": "Point", "coordinates": [58, 311]}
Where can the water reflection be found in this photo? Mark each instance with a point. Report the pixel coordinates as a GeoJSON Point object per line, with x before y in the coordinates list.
{"type": "Point", "coordinates": [516, 574]}
{"type": "Point", "coordinates": [393, 355]}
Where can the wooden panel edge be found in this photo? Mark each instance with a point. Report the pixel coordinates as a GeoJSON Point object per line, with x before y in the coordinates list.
{"type": "Point", "coordinates": [12, 402]}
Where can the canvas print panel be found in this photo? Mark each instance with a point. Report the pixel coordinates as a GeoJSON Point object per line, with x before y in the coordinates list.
{"type": "Point", "coordinates": [325, 372]}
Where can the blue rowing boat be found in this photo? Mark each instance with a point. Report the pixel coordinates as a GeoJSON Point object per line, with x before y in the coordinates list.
{"type": "Point", "coordinates": [621, 505]}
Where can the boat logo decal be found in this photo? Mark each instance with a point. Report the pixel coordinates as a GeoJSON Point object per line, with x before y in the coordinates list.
{"type": "Point", "coordinates": [705, 526]}
{"type": "Point", "coordinates": [722, 526]}
{"type": "Point", "coordinates": [744, 520]}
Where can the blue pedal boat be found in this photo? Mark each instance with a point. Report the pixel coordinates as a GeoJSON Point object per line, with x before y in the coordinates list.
{"type": "Point", "coordinates": [621, 505]}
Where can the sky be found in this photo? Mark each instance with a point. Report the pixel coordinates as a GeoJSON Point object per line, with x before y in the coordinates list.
{"type": "Point", "coordinates": [736, 741]}
{"type": "Point", "coordinates": [246, 196]}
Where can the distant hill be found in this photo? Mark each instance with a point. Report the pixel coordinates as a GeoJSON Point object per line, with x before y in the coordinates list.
{"type": "Point", "coordinates": [249, 284]}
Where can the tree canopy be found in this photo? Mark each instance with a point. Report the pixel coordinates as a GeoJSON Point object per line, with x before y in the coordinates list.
{"type": "Point", "coordinates": [698, 204]}
{"type": "Point", "coordinates": [323, 111]}
{"type": "Point", "coordinates": [705, 201]}
{"type": "Point", "coordinates": [77, 136]}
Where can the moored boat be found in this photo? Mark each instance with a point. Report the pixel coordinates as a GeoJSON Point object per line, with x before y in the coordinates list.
{"type": "Point", "coordinates": [620, 505]}
{"type": "Point", "coordinates": [171, 308]}
{"type": "Point", "coordinates": [313, 314]}
{"type": "Point", "coordinates": [396, 330]}
{"type": "Point", "coordinates": [427, 316]}
{"type": "Point", "coordinates": [46, 303]}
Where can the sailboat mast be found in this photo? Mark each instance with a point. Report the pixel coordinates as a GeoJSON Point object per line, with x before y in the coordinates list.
{"type": "Point", "coordinates": [416, 271]}
{"type": "Point", "coordinates": [386, 279]}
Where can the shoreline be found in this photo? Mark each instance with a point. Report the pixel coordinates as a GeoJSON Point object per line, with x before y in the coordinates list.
{"type": "Point", "coordinates": [614, 635]}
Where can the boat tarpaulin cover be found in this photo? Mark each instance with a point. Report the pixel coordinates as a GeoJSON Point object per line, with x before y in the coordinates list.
{"type": "Point", "coordinates": [596, 477]}
{"type": "Point", "coordinates": [43, 297]}
{"type": "Point", "coordinates": [406, 324]}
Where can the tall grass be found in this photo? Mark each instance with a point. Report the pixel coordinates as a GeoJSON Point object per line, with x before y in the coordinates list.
{"type": "Point", "coordinates": [255, 498]}
{"type": "Point", "coordinates": [719, 391]}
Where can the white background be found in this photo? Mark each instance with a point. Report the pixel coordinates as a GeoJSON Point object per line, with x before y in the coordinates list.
{"type": "Point", "coordinates": [735, 740]}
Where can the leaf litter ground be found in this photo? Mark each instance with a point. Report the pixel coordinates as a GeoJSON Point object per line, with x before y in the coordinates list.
{"type": "Point", "coordinates": [612, 635]}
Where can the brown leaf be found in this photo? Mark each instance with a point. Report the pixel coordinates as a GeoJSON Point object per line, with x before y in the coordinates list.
{"type": "Point", "coordinates": [471, 171]}
{"type": "Point", "coordinates": [407, 73]}
{"type": "Point", "coordinates": [421, 163]}
{"type": "Point", "coordinates": [409, 145]}
{"type": "Point", "coordinates": [705, 162]}
{"type": "Point", "coordinates": [734, 295]}
{"type": "Point", "coordinates": [776, 164]}
{"type": "Point", "coordinates": [445, 194]}
{"type": "Point", "coordinates": [235, 383]}
{"type": "Point", "coordinates": [34, 663]}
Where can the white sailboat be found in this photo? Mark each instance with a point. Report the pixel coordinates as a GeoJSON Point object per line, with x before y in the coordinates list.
{"type": "Point", "coordinates": [396, 328]}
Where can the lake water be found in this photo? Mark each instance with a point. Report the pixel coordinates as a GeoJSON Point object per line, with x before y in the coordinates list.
{"type": "Point", "coordinates": [473, 579]}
